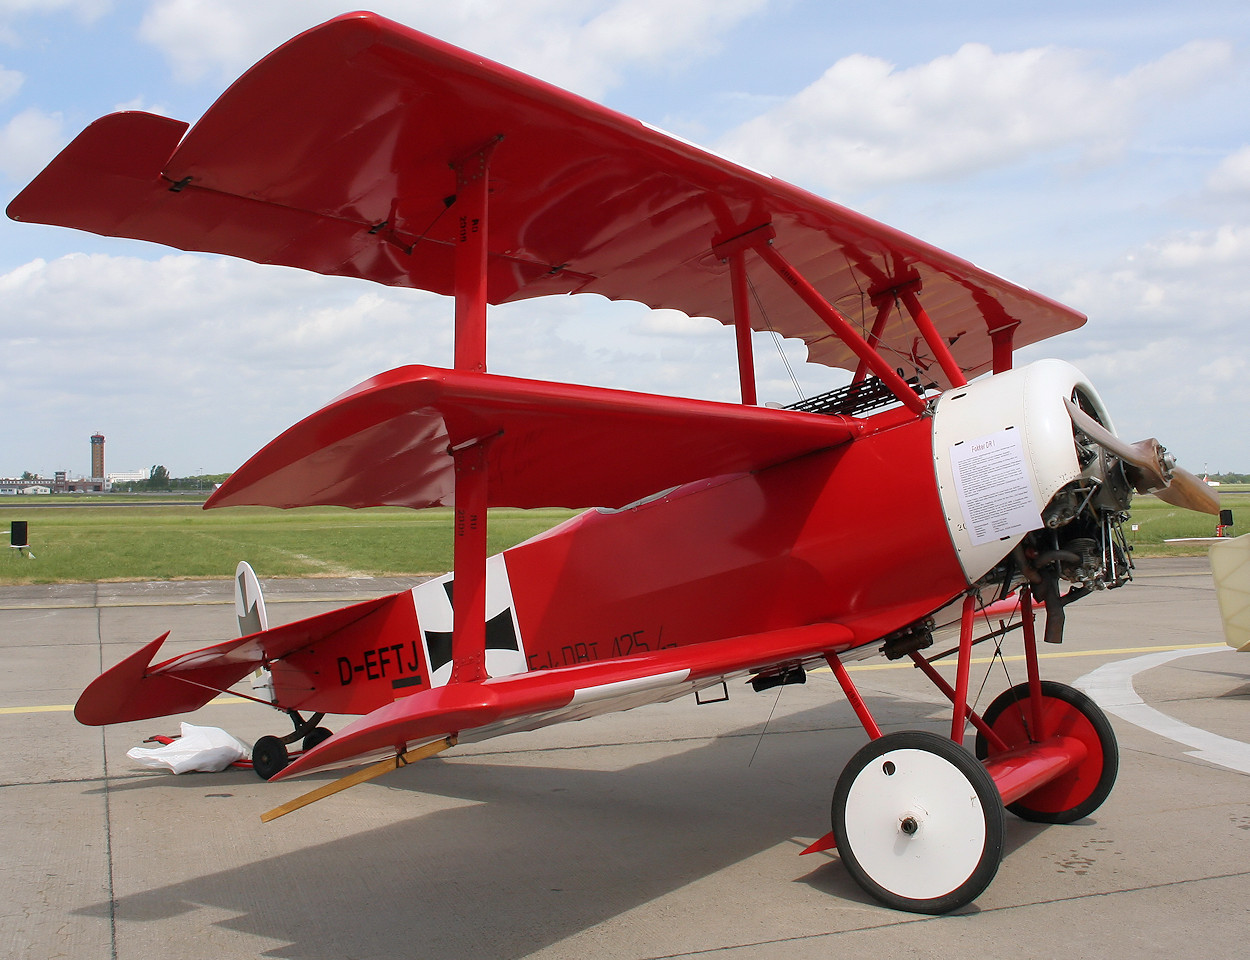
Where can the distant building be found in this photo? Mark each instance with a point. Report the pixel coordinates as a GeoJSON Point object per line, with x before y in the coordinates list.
{"type": "Point", "coordinates": [98, 482]}
{"type": "Point", "coordinates": [61, 484]}
{"type": "Point", "coordinates": [130, 476]}
{"type": "Point", "coordinates": [97, 456]}
{"type": "Point", "coordinates": [10, 487]}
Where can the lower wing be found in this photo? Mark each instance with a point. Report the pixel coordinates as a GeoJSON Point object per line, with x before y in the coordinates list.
{"type": "Point", "coordinates": [528, 701]}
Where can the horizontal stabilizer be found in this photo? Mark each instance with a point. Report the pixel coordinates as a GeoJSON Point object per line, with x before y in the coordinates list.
{"type": "Point", "coordinates": [527, 701]}
{"type": "Point", "coordinates": [386, 442]}
{"type": "Point", "coordinates": [135, 690]}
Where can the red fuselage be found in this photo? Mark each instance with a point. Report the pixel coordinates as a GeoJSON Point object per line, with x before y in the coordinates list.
{"type": "Point", "coordinates": [815, 539]}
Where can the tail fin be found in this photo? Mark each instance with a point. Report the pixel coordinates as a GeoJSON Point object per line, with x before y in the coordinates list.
{"type": "Point", "coordinates": [249, 609]}
{"type": "Point", "coordinates": [249, 603]}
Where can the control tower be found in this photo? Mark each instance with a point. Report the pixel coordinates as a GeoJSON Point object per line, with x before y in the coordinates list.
{"type": "Point", "coordinates": [97, 456]}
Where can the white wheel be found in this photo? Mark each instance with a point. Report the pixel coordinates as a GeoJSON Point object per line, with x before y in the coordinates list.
{"type": "Point", "coordinates": [918, 822]}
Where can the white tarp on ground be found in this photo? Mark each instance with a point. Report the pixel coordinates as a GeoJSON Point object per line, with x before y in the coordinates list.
{"type": "Point", "coordinates": [202, 749]}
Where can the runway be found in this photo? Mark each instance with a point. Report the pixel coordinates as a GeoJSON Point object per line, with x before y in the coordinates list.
{"type": "Point", "coordinates": [670, 831]}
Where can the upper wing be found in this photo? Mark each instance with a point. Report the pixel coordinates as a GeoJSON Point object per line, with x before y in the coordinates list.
{"type": "Point", "coordinates": [332, 154]}
{"type": "Point", "coordinates": [528, 701]}
{"type": "Point", "coordinates": [387, 441]}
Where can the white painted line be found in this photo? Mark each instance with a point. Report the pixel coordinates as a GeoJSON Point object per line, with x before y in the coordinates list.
{"type": "Point", "coordinates": [1111, 686]}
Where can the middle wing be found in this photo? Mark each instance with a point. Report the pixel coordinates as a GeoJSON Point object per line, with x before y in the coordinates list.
{"type": "Point", "coordinates": [387, 442]}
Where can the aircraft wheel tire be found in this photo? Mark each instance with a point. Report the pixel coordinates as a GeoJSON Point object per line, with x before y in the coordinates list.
{"type": "Point", "coordinates": [918, 822]}
{"type": "Point", "coordinates": [316, 736]}
{"type": "Point", "coordinates": [1066, 711]}
{"type": "Point", "coordinates": [269, 757]}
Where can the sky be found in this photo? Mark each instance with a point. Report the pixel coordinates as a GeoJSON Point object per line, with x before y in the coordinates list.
{"type": "Point", "coordinates": [1097, 152]}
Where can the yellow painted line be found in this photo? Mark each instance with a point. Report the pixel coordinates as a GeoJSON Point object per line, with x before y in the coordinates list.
{"type": "Point", "coordinates": [173, 602]}
{"type": "Point", "coordinates": [901, 665]}
{"type": "Point", "coordinates": [1057, 655]}
{"type": "Point", "coordinates": [67, 707]}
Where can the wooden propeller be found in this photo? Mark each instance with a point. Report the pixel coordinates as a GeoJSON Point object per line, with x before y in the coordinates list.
{"type": "Point", "coordinates": [1149, 466]}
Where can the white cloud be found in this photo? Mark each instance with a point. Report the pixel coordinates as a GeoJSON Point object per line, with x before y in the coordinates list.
{"type": "Point", "coordinates": [1232, 176]}
{"type": "Point", "coordinates": [653, 31]}
{"type": "Point", "coordinates": [202, 360]}
{"type": "Point", "coordinates": [579, 44]}
{"type": "Point", "coordinates": [1210, 249]}
{"type": "Point", "coordinates": [185, 347]}
{"type": "Point", "coordinates": [10, 82]}
{"type": "Point", "coordinates": [1178, 389]}
{"type": "Point", "coordinates": [203, 38]}
{"type": "Point", "coordinates": [674, 323]}
{"type": "Point", "coordinates": [1166, 342]}
{"type": "Point", "coordinates": [866, 122]}
{"type": "Point", "coordinates": [1192, 281]}
{"type": "Point", "coordinates": [85, 9]}
{"type": "Point", "coordinates": [28, 141]}
{"type": "Point", "coordinates": [142, 103]}
{"type": "Point", "coordinates": [205, 358]}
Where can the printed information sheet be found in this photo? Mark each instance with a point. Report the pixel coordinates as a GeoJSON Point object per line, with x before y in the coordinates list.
{"type": "Point", "coordinates": [992, 482]}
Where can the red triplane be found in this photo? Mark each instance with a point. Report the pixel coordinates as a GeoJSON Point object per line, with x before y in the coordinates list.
{"type": "Point", "coordinates": [723, 541]}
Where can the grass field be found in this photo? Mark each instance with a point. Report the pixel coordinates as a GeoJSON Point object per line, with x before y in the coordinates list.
{"type": "Point", "coordinates": [1158, 522]}
{"type": "Point", "coordinates": [145, 541]}
{"type": "Point", "coordinates": [129, 539]}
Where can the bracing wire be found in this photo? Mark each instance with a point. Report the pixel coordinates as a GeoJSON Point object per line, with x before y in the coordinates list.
{"type": "Point", "coordinates": [759, 305]}
{"type": "Point", "coordinates": [764, 729]}
{"type": "Point", "coordinates": [1001, 661]}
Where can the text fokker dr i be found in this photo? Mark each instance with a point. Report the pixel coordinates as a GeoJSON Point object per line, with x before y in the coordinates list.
{"type": "Point", "coordinates": [726, 541]}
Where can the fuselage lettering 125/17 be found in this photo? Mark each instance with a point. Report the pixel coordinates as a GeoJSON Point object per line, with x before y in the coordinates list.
{"type": "Point", "coordinates": [399, 663]}
{"type": "Point", "coordinates": [638, 641]}
{"type": "Point", "coordinates": [632, 641]}
{"type": "Point", "coordinates": [566, 656]}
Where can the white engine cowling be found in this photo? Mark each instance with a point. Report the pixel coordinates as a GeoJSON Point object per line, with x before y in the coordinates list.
{"type": "Point", "coordinates": [1003, 448]}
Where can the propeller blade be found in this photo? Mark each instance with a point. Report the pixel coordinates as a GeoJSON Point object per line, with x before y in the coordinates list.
{"type": "Point", "coordinates": [1144, 455]}
{"type": "Point", "coordinates": [1190, 492]}
{"type": "Point", "coordinates": [1148, 467]}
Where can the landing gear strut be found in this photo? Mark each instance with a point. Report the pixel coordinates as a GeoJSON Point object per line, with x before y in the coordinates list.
{"type": "Point", "coordinates": [1064, 711]}
{"type": "Point", "coordinates": [918, 822]}
{"type": "Point", "coordinates": [270, 755]}
{"type": "Point", "coordinates": [918, 819]}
